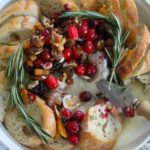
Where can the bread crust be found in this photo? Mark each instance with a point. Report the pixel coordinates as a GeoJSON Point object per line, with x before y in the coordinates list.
{"type": "Point", "coordinates": [88, 141]}
{"type": "Point", "coordinates": [126, 69]}
{"type": "Point", "coordinates": [130, 20]}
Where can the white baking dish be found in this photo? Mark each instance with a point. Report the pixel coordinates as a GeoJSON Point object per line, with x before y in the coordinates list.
{"type": "Point", "coordinates": [135, 133]}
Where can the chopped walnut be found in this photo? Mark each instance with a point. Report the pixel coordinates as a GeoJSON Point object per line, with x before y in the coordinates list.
{"type": "Point", "coordinates": [38, 41]}
{"type": "Point", "coordinates": [69, 66]}
{"type": "Point", "coordinates": [47, 22]}
{"type": "Point", "coordinates": [100, 45]}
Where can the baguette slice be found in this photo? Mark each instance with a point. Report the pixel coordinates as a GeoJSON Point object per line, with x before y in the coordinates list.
{"type": "Point", "coordinates": [91, 5]}
{"type": "Point", "coordinates": [50, 6]}
{"type": "Point", "coordinates": [130, 21]}
{"type": "Point", "coordinates": [126, 69]}
{"type": "Point", "coordinates": [21, 8]}
{"type": "Point", "coordinates": [99, 133]}
{"type": "Point", "coordinates": [18, 28]}
{"type": "Point", "coordinates": [41, 113]}
{"type": "Point", "coordinates": [60, 144]}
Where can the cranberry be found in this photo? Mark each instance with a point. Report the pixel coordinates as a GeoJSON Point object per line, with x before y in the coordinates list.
{"type": "Point", "coordinates": [74, 139]}
{"type": "Point", "coordinates": [78, 115]}
{"type": "Point", "coordinates": [85, 96]}
{"type": "Point", "coordinates": [47, 40]}
{"type": "Point", "coordinates": [83, 30]}
{"type": "Point", "coordinates": [52, 82]}
{"type": "Point", "coordinates": [89, 47]}
{"type": "Point", "coordinates": [48, 65]}
{"type": "Point", "coordinates": [73, 127]}
{"type": "Point", "coordinates": [55, 16]}
{"type": "Point", "coordinates": [66, 6]}
{"type": "Point", "coordinates": [85, 23]}
{"type": "Point", "coordinates": [130, 111]}
{"type": "Point", "coordinates": [73, 32]}
{"type": "Point", "coordinates": [80, 70]}
{"type": "Point", "coordinates": [67, 53]}
{"type": "Point", "coordinates": [91, 35]}
{"type": "Point", "coordinates": [32, 97]}
{"type": "Point", "coordinates": [39, 63]}
{"type": "Point", "coordinates": [45, 32]}
{"type": "Point", "coordinates": [46, 54]}
{"type": "Point", "coordinates": [66, 113]}
{"type": "Point", "coordinates": [91, 70]}
{"type": "Point", "coordinates": [77, 53]}
{"type": "Point", "coordinates": [95, 23]}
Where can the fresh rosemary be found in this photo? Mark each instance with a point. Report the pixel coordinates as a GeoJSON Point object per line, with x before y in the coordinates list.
{"type": "Point", "coordinates": [15, 74]}
{"type": "Point", "coordinates": [115, 31]}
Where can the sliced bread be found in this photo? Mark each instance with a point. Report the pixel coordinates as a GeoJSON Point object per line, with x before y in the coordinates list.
{"type": "Point", "coordinates": [130, 20]}
{"type": "Point", "coordinates": [61, 144]}
{"type": "Point", "coordinates": [21, 8]}
{"type": "Point", "coordinates": [128, 66]}
{"type": "Point", "coordinates": [91, 5]}
{"type": "Point", "coordinates": [50, 6]}
{"type": "Point", "coordinates": [37, 110]}
{"type": "Point", "coordinates": [99, 133]}
{"type": "Point", "coordinates": [18, 28]}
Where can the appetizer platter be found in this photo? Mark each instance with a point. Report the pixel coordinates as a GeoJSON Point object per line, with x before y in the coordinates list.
{"type": "Point", "coordinates": [74, 75]}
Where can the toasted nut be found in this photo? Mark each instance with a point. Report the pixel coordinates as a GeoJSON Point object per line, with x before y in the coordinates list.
{"type": "Point", "coordinates": [41, 72]}
{"type": "Point", "coordinates": [35, 51]}
{"type": "Point", "coordinates": [33, 84]}
{"type": "Point", "coordinates": [39, 26]}
{"type": "Point", "coordinates": [61, 128]}
{"type": "Point", "coordinates": [100, 45]}
{"type": "Point", "coordinates": [39, 77]}
{"type": "Point", "coordinates": [24, 95]}
{"type": "Point", "coordinates": [27, 45]}
{"type": "Point", "coordinates": [32, 57]}
{"type": "Point", "coordinates": [30, 63]}
{"type": "Point", "coordinates": [38, 41]}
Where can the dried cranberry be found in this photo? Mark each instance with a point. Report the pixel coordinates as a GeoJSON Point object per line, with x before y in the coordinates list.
{"type": "Point", "coordinates": [95, 23]}
{"type": "Point", "coordinates": [91, 35]}
{"type": "Point", "coordinates": [89, 47]}
{"type": "Point", "coordinates": [66, 113]}
{"type": "Point", "coordinates": [55, 16]}
{"type": "Point", "coordinates": [74, 139]}
{"type": "Point", "coordinates": [80, 70]}
{"type": "Point", "coordinates": [32, 97]}
{"type": "Point", "coordinates": [47, 40]}
{"type": "Point", "coordinates": [52, 82]}
{"type": "Point", "coordinates": [46, 54]}
{"type": "Point", "coordinates": [91, 70]}
{"type": "Point", "coordinates": [66, 6]}
{"type": "Point", "coordinates": [39, 63]}
{"type": "Point", "coordinates": [83, 31]}
{"type": "Point", "coordinates": [130, 111]}
{"type": "Point", "coordinates": [85, 23]}
{"type": "Point", "coordinates": [85, 96]}
{"type": "Point", "coordinates": [73, 32]}
{"type": "Point", "coordinates": [78, 115]}
{"type": "Point", "coordinates": [45, 32]}
{"type": "Point", "coordinates": [73, 127]}
{"type": "Point", "coordinates": [67, 53]}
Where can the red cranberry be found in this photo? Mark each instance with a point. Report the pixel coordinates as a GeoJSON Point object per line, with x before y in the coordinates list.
{"type": "Point", "coordinates": [67, 53]}
{"type": "Point", "coordinates": [55, 16]}
{"type": "Point", "coordinates": [52, 82]}
{"type": "Point", "coordinates": [39, 63]}
{"type": "Point", "coordinates": [85, 23]}
{"type": "Point", "coordinates": [66, 113]}
{"type": "Point", "coordinates": [78, 115]}
{"type": "Point", "coordinates": [74, 139]}
{"type": "Point", "coordinates": [77, 53]}
{"type": "Point", "coordinates": [91, 35]}
{"type": "Point", "coordinates": [45, 32]}
{"type": "Point", "coordinates": [95, 23]}
{"type": "Point", "coordinates": [89, 47]}
{"type": "Point", "coordinates": [32, 97]}
{"type": "Point", "coordinates": [66, 6]}
{"type": "Point", "coordinates": [83, 31]}
{"type": "Point", "coordinates": [85, 96]}
{"type": "Point", "coordinates": [91, 70]}
{"type": "Point", "coordinates": [47, 40]}
{"type": "Point", "coordinates": [46, 54]}
{"type": "Point", "coordinates": [130, 112]}
{"type": "Point", "coordinates": [73, 32]}
{"type": "Point", "coordinates": [80, 70]}
{"type": "Point", "coordinates": [73, 127]}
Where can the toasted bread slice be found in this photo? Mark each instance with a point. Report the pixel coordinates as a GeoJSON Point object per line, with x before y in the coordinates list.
{"type": "Point", "coordinates": [130, 20]}
{"type": "Point", "coordinates": [91, 5]}
{"type": "Point", "coordinates": [21, 8]}
{"type": "Point", "coordinates": [18, 28]}
{"type": "Point", "coordinates": [60, 144]}
{"type": "Point", "coordinates": [37, 110]}
{"type": "Point", "coordinates": [99, 133]}
{"type": "Point", "coordinates": [50, 6]}
{"type": "Point", "coordinates": [126, 69]}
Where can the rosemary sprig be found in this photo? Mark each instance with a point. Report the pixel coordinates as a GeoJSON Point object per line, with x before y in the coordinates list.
{"type": "Point", "coordinates": [15, 74]}
{"type": "Point", "coordinates": [115, 31]}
